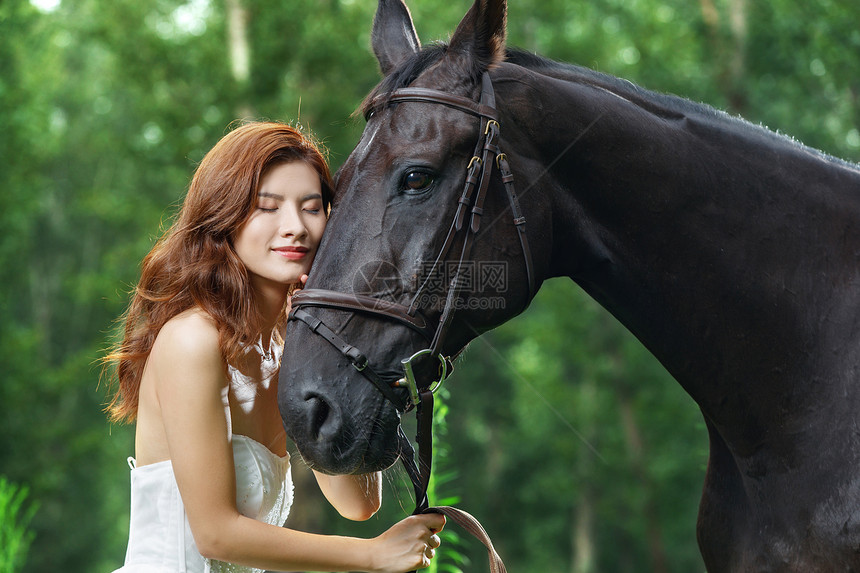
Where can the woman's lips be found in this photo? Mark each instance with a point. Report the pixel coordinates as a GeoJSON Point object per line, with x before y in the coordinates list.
{"type": "Point", "coordinates": [292, 253]}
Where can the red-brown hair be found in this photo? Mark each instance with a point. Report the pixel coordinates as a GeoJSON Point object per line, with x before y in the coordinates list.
{"type": "Point", "coordinates": [194, 263]}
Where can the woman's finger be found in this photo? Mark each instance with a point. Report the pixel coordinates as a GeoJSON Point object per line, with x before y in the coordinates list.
{"type": "Point", "coordinates": [434, 521]}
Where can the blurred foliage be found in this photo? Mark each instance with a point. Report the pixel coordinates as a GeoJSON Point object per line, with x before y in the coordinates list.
{"type": "Point", "coordinates": [442, 488]}
{"type": "Point", "coordinates": [15, 536]}
{"type": "Point", "coordinates": [568, 441]}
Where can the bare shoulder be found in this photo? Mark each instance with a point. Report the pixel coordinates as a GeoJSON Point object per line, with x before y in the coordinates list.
{"type": "Point", "coordinates": [189, 338]}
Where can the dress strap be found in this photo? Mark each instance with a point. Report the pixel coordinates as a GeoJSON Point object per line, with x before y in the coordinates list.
{"type": "Point", "coordinates": [132, 463]}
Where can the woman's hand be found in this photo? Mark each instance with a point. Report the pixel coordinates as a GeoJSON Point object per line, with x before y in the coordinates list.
{"type": "Point", "coordinates": [302, 280]}
{"type": "Point", "coordinates": [408, 545]}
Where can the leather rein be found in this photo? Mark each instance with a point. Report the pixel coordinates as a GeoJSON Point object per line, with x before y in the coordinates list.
{"type": "Point", "coordinates": [421, 388]}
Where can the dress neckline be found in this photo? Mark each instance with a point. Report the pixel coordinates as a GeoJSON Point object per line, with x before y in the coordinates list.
{"type": "Point", "coordinates": [260, 444]}
{"type": "Point", "coordinates": [132, 463]}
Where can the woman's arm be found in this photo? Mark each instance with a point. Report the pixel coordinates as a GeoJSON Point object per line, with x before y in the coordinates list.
{"type": "Point", "coordinates": [355, 497]}
{"type": "Point", "coordinates": [187, 371]}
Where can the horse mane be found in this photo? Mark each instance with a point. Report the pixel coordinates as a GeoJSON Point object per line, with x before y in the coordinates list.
{"type": "Point", "coordinates": [663, 105]}
{"type": "Point", "coordinates": [412, 67]}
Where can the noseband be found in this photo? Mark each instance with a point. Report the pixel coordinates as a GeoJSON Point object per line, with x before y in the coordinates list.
{"type": "Point", "coordinates": [420, 387]}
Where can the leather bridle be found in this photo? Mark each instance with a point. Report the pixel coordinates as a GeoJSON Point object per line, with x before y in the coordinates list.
{"type": "Point", "coordinates": [421, 389]}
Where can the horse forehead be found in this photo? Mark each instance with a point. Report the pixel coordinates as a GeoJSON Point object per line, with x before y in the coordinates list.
{"type": "Point", "coordinates": [366, 143]}
{"type": "Point", "coordinates": [415, 123]}
{"type": "Point", "coordinates": [415, 126]}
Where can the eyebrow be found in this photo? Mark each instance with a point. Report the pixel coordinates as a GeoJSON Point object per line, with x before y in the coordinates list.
{"type": "Point", "coordinates": [278, 197]}
{"type": "Point", "coordinates": [270, 195]}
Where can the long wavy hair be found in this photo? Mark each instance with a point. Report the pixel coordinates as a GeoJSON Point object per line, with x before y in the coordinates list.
{"type": "Point", "coordinates": [194, 263]}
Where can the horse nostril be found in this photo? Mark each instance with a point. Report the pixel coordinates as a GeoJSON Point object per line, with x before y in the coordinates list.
{"type": "Point", "coordinates": [323, 420]}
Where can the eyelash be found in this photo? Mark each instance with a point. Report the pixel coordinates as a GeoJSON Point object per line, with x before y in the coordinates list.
{"type": "Point", "coordinates": [312, 211]}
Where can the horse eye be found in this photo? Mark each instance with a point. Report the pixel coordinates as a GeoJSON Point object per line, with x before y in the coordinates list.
{"type": "Point", "coordinates": [417, 181]}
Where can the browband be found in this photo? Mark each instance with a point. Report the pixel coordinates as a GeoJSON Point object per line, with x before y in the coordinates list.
{"type": "Point", "coordinates": [427, 95]}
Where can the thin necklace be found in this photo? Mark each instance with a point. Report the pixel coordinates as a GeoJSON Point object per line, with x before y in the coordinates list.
{"type": "Point", "coordinates": [267, 355]}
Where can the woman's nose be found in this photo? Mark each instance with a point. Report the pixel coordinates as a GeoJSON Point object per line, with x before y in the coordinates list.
{"type": "Point", "coordinates": [292, 225]}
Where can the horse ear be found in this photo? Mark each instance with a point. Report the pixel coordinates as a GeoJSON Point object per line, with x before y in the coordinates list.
{"type": "Point", "coordinates": [481, 34]}
{"type": "Point", "coordinates": [393, 38]}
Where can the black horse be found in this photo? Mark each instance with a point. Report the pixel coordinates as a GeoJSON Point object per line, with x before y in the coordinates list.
{"type": "Point", "coordinates": [732, 253]}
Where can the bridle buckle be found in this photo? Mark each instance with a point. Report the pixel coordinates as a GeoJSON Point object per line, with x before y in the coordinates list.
{"type": "Point", "coordinates": [408, 381]}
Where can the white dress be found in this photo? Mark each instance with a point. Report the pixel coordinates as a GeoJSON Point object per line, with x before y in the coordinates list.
{"type": "Point", "coordinates": [160, 539]}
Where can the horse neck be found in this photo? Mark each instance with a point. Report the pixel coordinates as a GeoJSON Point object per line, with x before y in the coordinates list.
{"type": "Point", "coordinates": [712, 240]}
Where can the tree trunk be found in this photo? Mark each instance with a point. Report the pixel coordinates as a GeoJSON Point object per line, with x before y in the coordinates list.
{"type": "Point", "coordinates": [582, 535]}
{"type": "Point", "coordinates": [636, 448]}
{"type": "Point", "coordinates": [240, 55]}
{"type": "Point", "coordinates": [730, 60]}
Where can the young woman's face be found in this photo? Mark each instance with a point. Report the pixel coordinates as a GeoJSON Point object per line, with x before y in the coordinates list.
{"type": "Point", "coordinates": [278, 242]}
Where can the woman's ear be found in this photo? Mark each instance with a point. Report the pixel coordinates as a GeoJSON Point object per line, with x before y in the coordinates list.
{"type": "Point", "coordinates": [393, 37]}
{"type": "Point", "coordinates": [481, 34]}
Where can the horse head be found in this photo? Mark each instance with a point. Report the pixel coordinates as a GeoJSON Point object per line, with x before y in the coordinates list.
{"type": "Point", "coordinates": [426, 246]}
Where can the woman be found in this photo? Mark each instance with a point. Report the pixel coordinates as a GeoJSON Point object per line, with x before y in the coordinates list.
{"type": "Point", "coordinates": [197, 371]}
